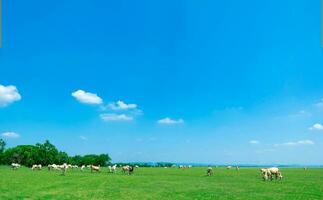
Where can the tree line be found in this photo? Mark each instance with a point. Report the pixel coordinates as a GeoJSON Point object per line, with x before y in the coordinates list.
{"type": "Point", "coordinates": [46, 154]}
{"type": "Point", "coordinates": [146, 164]}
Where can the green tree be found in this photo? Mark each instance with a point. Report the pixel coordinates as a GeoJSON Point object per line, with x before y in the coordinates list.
{"type": "Point", "coordinates": [23, 154]}
{"type": "Point", "coordinates": [47, 153]}
{"type": "Point", "coordinates": [61, 158]}
{"type": "Point", "coordinates": [2, 145]}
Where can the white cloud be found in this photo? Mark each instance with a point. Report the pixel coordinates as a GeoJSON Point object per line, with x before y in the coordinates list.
{"type": "Point", "coordinates": [168, 120]}
{"type": "Point", "coordinates": [297, 143]}
{"type": "Point", "coordinates": [115, 117]}
{"type": "Point", "coordinates": [254, 142]}
{"type": "Point", "coordinates": [87, 97]}
{"type": "Point", "coordinates": [8, 94]}
{"type": "Point", "coordinates": [316, 127]}
{"type": "Point", "coordinates": [120, 105]}
{"type": "Point", "coordinates": [83, 138]}
{"type": "Point", "coordinates": [12, 135]}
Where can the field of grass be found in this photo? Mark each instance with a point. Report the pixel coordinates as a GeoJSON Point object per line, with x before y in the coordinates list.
{"type": "Point", "coordinates": [160, 183]}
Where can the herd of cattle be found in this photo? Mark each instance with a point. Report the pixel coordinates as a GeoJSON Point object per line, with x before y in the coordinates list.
{"type": "Point", "coordinates": [127, 169]}
{"type": "Point", "coordinates": [266, 173]}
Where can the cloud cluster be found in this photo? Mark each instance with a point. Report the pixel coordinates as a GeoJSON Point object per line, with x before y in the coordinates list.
{"type": "Point", "coordinates": [8, 95]}
{"type": "Point", "coordinates": [115, 117]}
{"type": "Point", "coordinates": [168, 120]}
{"type": "Point", "coordinates": [120, 105]}
{"type": "Point", "coordinates": [87, 97]}
{"type": "Point", "coordinates": [10, 135]}
{"type": "Point", "coordinates": [117, 111]}
{"type": "Point", "coordinates": [316, 127]}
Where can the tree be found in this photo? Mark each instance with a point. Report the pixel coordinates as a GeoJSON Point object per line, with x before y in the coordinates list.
{"type": "Point", "coordinates": [46, 154]}
{"type": "Point", "coordinates": [2, 145]}
{"type": "Point", "coordinates": [24, 154]}
{"type": "Point", "coordinates": [61, 158]}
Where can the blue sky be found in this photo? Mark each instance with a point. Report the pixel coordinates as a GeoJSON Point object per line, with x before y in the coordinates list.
{"type": "Point", "coordinates": [180, 81]}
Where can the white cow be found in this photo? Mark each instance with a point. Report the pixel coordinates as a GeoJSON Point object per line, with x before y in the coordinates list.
{"type": "Point", "coordinates": [229, 167]}
{"type": "Point", "coordinates": [53, 167]}
{"type": "Point", "coordinates": [15, 166]}
{"type": "Point", "coordinates": [38, 167]}
{"type": "Point", "coordinates": [209, 171]}
{"type": "Point", "coordinates": [95, 168]}
{"type": "Point", "coordinates": [82, 167]}
{"type": "Point", "coordinates": [270, 172]}
{"type": "Point", "coordinates": [63, 168]}
{"type": "Point", "coordinates": [128, 169]}
{"type": "Point", "coordinates": [75, 166]}
{"type": "Point", "coordinates": [112, 169]}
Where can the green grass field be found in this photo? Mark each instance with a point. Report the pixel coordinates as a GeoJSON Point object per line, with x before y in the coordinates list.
{"type": "Point", "coordinates": [160, 183]}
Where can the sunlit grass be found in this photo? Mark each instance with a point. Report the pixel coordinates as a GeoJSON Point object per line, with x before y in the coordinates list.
{"type": "Point", "coordinates": [160, 183]}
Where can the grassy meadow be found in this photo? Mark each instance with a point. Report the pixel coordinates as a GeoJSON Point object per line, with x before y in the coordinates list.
{"type": "Point", "coordinates": [160, 183]}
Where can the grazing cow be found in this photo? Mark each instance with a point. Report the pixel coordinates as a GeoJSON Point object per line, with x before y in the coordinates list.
{"type": "Point", "coordinates": [136, 166]}
{"type": "Point", "coordinates": [82, 167]}
{"type": "Point", "coordinates": [50, 167]}
{"type": "Point", "coordinates": [305, 168]}
{"type": "Point", "coordinates": [237, 168]}
{"type": "Point", "coordinates": [95, 168]}
{"type": "Point", "coordinates": [270, 172]}
{"type": "Point", "coordinates": [53, 167]}
{"type": "Point", "coordinates": [39, 167]}
{"type": "Point", "coordinates": [112, 169]}
{"type": "Point", "coordinates": [74, 167]}
{"type": "Point", "coordinates": [15, 166]}
{"type": "Point", "coordinates": [63, 167]}
{"type": "Point", "coordinates": [128, 169]}
{"type": "Point", "coordinates": [125, 168]}
{"type": "Point", "coordinates": [229, 167]}
{"type": "Point", "coordinates": [209, 171]}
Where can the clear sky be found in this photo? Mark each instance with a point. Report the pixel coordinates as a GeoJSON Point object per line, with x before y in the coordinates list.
{"type": "Point", "coordinates": [181, 81]}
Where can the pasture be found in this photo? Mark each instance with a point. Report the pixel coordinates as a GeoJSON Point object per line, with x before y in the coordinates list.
{"type": "Point", "coordinates": [160, 183]}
